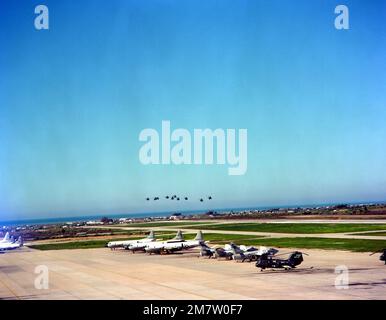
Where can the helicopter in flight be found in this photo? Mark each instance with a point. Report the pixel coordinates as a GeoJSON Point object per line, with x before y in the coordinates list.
{"type": "Point", "coordinates": [383, 255]}
{"type": "Point", "coordinates": [175, 197]}
{"type": "Point", "coordinates": [268, 261]}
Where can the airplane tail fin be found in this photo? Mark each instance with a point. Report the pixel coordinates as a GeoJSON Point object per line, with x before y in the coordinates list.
{"type": "Point", "coordinates": [179, 236]}
{"type": "Point", "coordinates": [6, 237]}
{"type": "Point", "coordinates": [151, 235]}
{"type": "Point", "coordinates": [199, 236]}
{"type": "Point", "coordinates": [20, 241]}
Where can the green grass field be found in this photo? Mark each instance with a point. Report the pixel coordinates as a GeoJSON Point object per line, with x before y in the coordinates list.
{"type": "Point", "coordinates": [217, 238]}
{"type": "Point", "coordinates": [303, 243]}
{"type": "Point", "coordinates": [162, 224]}
{"type": "Point", "coordinates": [296, 227]}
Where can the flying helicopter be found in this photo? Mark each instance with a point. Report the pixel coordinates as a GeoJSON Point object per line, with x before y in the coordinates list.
{"type": "Point", "coordinates": [383, 255]}
{"type": "Point", "coordinates": [268, 261]}
{"type": "Point", "coordinates": [178, 198]}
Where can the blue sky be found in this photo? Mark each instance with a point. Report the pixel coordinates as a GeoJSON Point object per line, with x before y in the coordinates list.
{"type": "Point", "coordinates": [74, 98]}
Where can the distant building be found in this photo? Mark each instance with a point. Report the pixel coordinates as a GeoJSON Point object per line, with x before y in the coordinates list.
{"type": "Point", "coordinates": [125, 220]}
{"type": "Point", "coordinates": [175, 216]}
{"type": "Point", "coordinates": [94, 222]}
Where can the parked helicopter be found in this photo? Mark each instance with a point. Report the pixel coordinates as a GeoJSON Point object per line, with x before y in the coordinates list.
{"type": "Point", "coordinates": [269, 261]}
{"type": "Point", "coordinates": [206, 251]}
{"type": "Point", "coordinates": [242, 253]}
{"type": "Point", "coordinates": [219, 252]}
{"type": "Point", "coordinates": [383, 255]}
{"type": "Point", "coordinates": [223, 253]}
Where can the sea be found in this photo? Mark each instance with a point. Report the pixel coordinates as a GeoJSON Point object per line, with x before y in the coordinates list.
{"type": "Point", "coordinates": [97, 217]}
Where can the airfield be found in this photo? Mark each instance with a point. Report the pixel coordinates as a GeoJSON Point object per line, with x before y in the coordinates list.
{"type": "Point", "coordinates": [101, 273]}
{"type": "Point", "coordinates": [105, 274]}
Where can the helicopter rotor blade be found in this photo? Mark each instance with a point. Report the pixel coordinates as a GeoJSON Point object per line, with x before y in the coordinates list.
{"type": "Point", "coordinates": [285, 253]}
{"type": "Point", "coordinates": [282, 254]}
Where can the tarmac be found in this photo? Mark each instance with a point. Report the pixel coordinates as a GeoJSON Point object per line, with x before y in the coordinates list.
{"type": "Point", "coordinates": [118, 274]}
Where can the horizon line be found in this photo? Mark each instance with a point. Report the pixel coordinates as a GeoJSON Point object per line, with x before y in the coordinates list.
{"type": "Point", "coordinates": [89, 215]}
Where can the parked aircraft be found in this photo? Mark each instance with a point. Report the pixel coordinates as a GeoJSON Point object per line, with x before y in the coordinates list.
{"type": "Point", "coordinates": [219, 252]}
{"type": "Point", "coordinates": [6, 238]}
{"type": "Point", "coordinates": [267, 261]}
{"type": "Point", "coordinates": [206, 251]}
{"type": "Point", "coordinates": [123, 244]}
{"type": "Point", "coordinates": [225, 252]}
{"type": "Point", "coordinates": [11, 245]}
{"type": "Point", "coordinates": [383, 256]}
{"type": "Point", "coordinates": [176, 244]}
{"type": "Point", "coordinates": [242, 253]}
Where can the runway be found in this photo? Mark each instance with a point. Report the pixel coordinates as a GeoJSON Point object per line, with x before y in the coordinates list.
{"type": "Point", "coordinates": [105, 274]}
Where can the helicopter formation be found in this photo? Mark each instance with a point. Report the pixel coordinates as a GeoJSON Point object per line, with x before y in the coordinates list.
{"type": "Point", "coordinates": [178, 198]}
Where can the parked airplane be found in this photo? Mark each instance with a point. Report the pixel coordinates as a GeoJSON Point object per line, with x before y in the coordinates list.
{"type": "Point", "coordinates": [11, 245]}
{"type": "Point", "coordinates": [176, 244]}
{"type": "Point", "coordinates": [137, 245]}
{"type": "Point", "coordinates": [6, 238]}
{"type": "Point", "coordinates": [123, 244]}
{"type": "Point", "coordinates": [242, 253]}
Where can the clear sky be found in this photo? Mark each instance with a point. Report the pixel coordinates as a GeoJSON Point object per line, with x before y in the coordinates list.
{"type": "Point", "coordinates": [74, 98]}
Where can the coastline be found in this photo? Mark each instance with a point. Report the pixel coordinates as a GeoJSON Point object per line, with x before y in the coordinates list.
{"type": "Point", "coordinates": [290, 209]}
